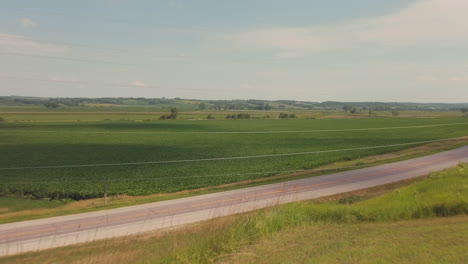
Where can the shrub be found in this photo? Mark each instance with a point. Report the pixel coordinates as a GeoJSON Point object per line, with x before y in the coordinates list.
{"type": "Point", "coordinates": [350, 199]}
{"type": "Point", "coordinates": [243, 116]}
{"type": "Point", "coordinates": [51, 105]}
{"type": "Point", "coordinates": [210, 117]}
{"type": "Point", "coordinates": [283, 115]}
{"type": "Point", "coordinates": [172, 115]}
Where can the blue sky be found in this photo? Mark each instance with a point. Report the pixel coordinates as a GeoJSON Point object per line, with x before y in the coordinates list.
{"type": "Point", "coordinates": [361, 50]}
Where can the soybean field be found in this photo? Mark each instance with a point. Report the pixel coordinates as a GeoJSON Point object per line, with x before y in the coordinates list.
{"type": "Point", "coordinates": [72, 160]}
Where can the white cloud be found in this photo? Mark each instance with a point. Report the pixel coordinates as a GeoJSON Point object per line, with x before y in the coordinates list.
{"type": "Point", "coordinates": [139, 84]}
{"type": "Point", "coordinates": [20, 44]}
{"type": "Point", "coordinates": [434, 22]}
{"type": "Point", "coordinates": [27, 22]}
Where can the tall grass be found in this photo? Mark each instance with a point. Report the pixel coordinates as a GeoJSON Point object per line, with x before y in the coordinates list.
{"type": "Point", "coordinates": [441, 194]}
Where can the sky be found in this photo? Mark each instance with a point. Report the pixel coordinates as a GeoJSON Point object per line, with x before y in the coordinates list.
{"type": "Point", "coordinates": [310, 50]}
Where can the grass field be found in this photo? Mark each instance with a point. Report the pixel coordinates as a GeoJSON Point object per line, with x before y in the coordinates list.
{"type": "Point", "coordinates": [423, 222]}
{"type": "Point", "coordinates": [13, 204]}
{"type": "Point", "coordinates": [110, 142]}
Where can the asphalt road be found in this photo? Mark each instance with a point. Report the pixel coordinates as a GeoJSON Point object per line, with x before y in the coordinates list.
{"type": "Point", "coordinates": [66, 230]}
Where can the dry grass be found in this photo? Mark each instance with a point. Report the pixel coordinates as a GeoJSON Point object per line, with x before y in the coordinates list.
{"type": "Point", "coordinates": [440, 240]}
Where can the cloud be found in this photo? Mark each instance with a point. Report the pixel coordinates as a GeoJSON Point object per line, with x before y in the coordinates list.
{"type": "Point", "coordinates": [139, 84]}
{"type": "Point", "coordinates": [176, 4]}
{"type": "Point", "coordinates": [425, 22]}
{"type": "Point", "coordinates": [27, 22]}
{"type": "Point", "coordinates": [21, 44]}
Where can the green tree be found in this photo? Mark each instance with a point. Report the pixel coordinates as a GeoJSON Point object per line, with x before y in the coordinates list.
{"type": "Point", "coordinates": [464, 110]}
{"type": "Point", "coordinates": [51, 105]}
{"type": "Point", "coordinates": [174, 113]}
{"type": "Point", "coordinates": [202, 106]}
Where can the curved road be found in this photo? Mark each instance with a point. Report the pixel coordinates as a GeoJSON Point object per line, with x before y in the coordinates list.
{"type": "Point", "coordinates": [66, 230]}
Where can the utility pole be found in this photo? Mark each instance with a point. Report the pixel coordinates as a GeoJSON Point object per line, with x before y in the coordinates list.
{"type": "Point", "coordinates": [105, 193]}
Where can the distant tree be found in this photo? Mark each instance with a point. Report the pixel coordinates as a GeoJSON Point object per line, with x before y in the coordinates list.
{"type": "Point", "coordinates": [267, 107]}
{"type": "Point", "coordinates": [464, 110]}
{"type": "Point", "coordinates": [347, 108]}
{"type": "Point", "coordinates": [51, 105]}
{"type": "Point", "coordinates": [283, 115]}
{"type": "Point", "coordinates": [292, 116]}
{"type": "Point", "coordinates": [202, 106]}
{"type": "Point", "coordinates": [243, 116]}
{"type": "Point", "coordinates": [174, 113]}
{"type": "Point", "coordinates": [353, 110]}
{"type": "Point", "coordinates": [395, 112]}
{"type": "Point", "coordinates": [210, 117]}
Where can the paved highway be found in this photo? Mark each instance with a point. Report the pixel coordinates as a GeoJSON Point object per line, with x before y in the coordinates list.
{"type": "Point", "coordinates": [66, 230]}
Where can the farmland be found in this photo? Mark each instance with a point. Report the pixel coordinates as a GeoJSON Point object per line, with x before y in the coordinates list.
{"type": "Point", "coordinates": [112, 142]}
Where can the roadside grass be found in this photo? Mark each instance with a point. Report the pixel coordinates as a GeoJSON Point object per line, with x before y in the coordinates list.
{"type": "Point", "coordinates": [14, 209]}
{"type": "Point", "coordinates": [442, 194]}
{"type": "Point", "coordinates": [439, 240]}
{"type": "Point", "coordinates": [409, 224]}
{"type": "Point", "coordinates": [14, 204]}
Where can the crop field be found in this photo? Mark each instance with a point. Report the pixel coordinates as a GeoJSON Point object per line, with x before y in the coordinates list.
{"type": "Point", "coordinates": [73, 160]}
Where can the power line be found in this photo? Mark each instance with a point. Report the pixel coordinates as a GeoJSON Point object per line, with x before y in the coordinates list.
{"type": "Point", "coordinates": [188, 177]}
{"type": "Point", "coordinates": [65, 58]}
{"type": "Point", "coordinates": [225, 158]}
{"type": "Point", "coordinates": [74, 82]}
{"type": "Point", "coordinates": [234, 132]}
{"type": "Point", "coordinates": [80, 45]}
{"type": "Point", "coordinates": [147, 24]}
{"type": "Point", "coordinates": [163, 178]}
{"type": "Point", "coordinates": [91, 83]}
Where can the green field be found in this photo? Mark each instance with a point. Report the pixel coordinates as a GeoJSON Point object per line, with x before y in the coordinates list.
{"type": "Point", "coordinates": [36, 144]}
